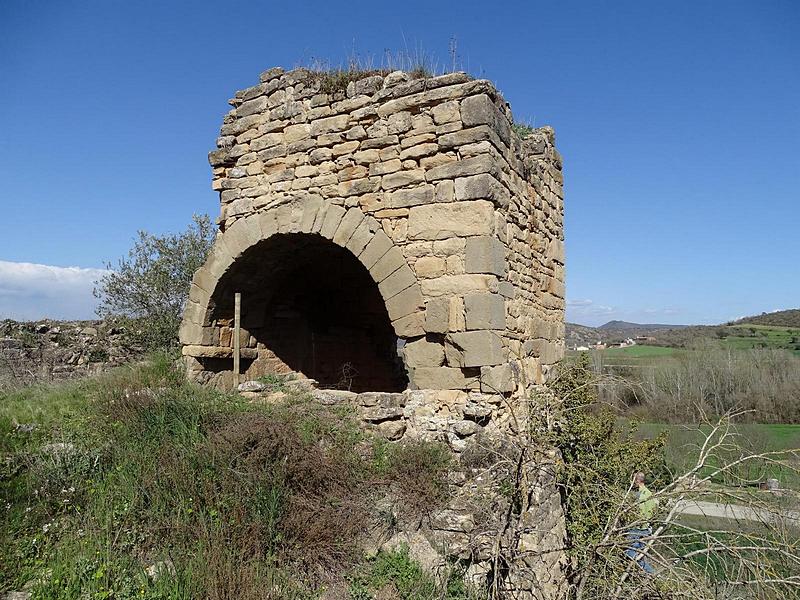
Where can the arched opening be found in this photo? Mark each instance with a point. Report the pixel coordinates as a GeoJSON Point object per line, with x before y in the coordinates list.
{"type": "Point", "coordinates": [310, 306]}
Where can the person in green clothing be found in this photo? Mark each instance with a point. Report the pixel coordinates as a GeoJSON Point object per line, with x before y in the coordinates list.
{"type": "Point", "coordinates": [646, 506]}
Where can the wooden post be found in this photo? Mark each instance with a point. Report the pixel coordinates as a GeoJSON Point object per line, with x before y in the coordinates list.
{"type": "Point", "coordinates": [237, 323]}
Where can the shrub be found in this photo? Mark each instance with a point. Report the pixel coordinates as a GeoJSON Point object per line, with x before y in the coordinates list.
{"type": "Point", "coordinates": [419, 471]}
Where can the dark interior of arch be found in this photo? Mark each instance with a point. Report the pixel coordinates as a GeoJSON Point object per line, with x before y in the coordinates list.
{"type": "Point", "coordinates": [312, 307]}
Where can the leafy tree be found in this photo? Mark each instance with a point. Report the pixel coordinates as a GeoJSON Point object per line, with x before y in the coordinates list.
{"type": "Point", "coordinates": [149, 287]}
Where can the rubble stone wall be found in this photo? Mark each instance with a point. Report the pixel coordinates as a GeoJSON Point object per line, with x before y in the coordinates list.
{"type": "Point", "coordinates": [457, 219]}
{"type": "Point", "coordinates": [47, 351]}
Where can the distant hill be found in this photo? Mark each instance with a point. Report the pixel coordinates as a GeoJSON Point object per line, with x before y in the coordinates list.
{"type": "Point", "coordinates": [622, 325]}
{"type": "Point", "coordinates": [736, 334]}
{"type": "Point", "coordinates": [781, 318]}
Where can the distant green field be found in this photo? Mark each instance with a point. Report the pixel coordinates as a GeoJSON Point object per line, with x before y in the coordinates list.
{"type": "Point", "coordinates": [763, 336]}
{"type": "Point", "coordinates": [683, 443]}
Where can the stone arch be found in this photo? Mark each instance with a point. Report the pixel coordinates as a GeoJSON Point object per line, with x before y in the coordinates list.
{"type": "Point", "coordinates": [303, 218]}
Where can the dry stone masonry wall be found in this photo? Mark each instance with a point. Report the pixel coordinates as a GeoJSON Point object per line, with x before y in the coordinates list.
{"type": "Point", "coordinates": [398, 248]}
{"type": "Point", "coordinates": [456, 219]}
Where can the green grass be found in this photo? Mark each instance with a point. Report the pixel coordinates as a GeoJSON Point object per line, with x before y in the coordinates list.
{"type": "Point", "coordinates": [394, 574]}
{"type": "Point", "coordinates": [246, 500]}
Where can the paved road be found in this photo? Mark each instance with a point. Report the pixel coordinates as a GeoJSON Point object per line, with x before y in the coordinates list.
{"type": "Point", "coordinates": [735, 511]}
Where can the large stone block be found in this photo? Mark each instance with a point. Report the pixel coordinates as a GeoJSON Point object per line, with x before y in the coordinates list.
{"type": "Point", "coordinates": [411, 197]}
{"type": "Point", "coordinates": [375, 249]}
{"type": "Point", "coordinates": [453, 219]}
{"type": "Point", "coordinates": [481, 187]}
{"type": "Point", "coordinates": [388, 264]}
{"type": "Point", "coordinates": [406, 302]}
{"type": "Point", "coordinates": [485, 311]}
{"type": "Point", "coordinates": [463, 168]}
{"type": "Point", "coordinates": [474, 349]}
{"type": "Point", "coordinates": [204, 279]}
{"type": "Point", "coordinates": [437, 315]}
{"type": "Point", "coordinates": [412, 325]}
{"type": "Point", "coordinates": [480, 110]}
{"type": "Point", "coordinates": [422, 353]}
{"type": "Point", "coordinates": [458, 285]}
{"type": "Point", "coordinates": [360, 238]}
{"type": "Point", "coordinates": [485, 254]}
{"type": "Point", "coordinates": [498, 380]}
{"type": "Point", "coordinates": [332, 220]}
{"type": "Point", "coordinates": [428, 267]}
{"type": "Point", "coordinates": [351, 220]}
{"type": "Point", "coordinates": [443, 378]}
{"type": "Point", "coordinates": [289, 217]}
{"type": "Point", "coordinates": [241, 235]}
{"type": "Point", "coordinates": [547, 351]}
{"type": "Point", "coordinates": [397, 282]}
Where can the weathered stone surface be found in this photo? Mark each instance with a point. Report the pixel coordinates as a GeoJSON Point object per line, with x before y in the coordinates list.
{"type": "Point", "coordinates": [546, 351]}
{"type": "Point", "coordinates": [332, 220]}
{"type": "Point", "coordinates": [447, 112]}
{"type": "Point", "coordinates": [378, 414]}
{"type": "Point", "coordinates": [392, 430]}
{"type": "Point", "coordinates": [458, 225]}
{"type": "Point", "coordinates": [439, 221]}
{"type": "Point", "coordinates": [422, 353]}
{"type": "Point", "coordinates": [474, 349]}
{"type": "Point", "coordinates": [388, 264]}
{"type": "Point", "coordinates": [462, 168]}
{"type": "Point", "coordinates": [481, 187]}
{"type": "Point", "coordinates": [406, 302]}
{"type": "Point", "coordinates": [427, 267]}
{"type": "Point", "coordinates": [437, 315]}
{"type": "Point", "coordinates": [411, 197]}
{"type": "Point", "coordinates": [480, 110]}
{"type": "Point", "coordinates": [409, 326]}
{"type": "Point", "coordinates": [377, 247]}
{"type": "Point", "coordinates": [485, 311]}
{"type": "Point", "coordinates": [497, 380]}
{"type": "Point", "coordinates": [485, 254]}
{"type": "Point", "coordinates": [402, 179]}
{"type": "Point", "coordinates": [458, 285]}
{"type": "Point", "coordinates": [397, 282]}
{"type": "Point", "coordinates": [329, 397]}
{"type": "Point", "coordinates": [252, 386]}
{"type": "Point", "coordinates": [443, 378]}
{"type": "Point", "coordinates": [351, 220]}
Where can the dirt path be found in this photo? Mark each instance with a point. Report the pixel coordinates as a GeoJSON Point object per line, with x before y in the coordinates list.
{"type": "Point", "coordinates": [740, 513]}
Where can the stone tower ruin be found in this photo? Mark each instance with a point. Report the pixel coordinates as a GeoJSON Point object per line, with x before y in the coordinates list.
{"type": "Point", "coordinates": [395, 213]}
{"type": "Point", "coordinates": [398, 246]}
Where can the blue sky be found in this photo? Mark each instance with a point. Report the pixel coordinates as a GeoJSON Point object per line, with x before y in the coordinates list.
{"type": "Point", "coordinates": [679, 123]}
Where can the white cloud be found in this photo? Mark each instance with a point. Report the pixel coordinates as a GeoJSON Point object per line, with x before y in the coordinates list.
{"type": "Point", "coordinates": [586, 302]}
{"type": "Point", "coordinates": [30, 291]}
{"type": "Point", "coordinates": [589, 312]}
